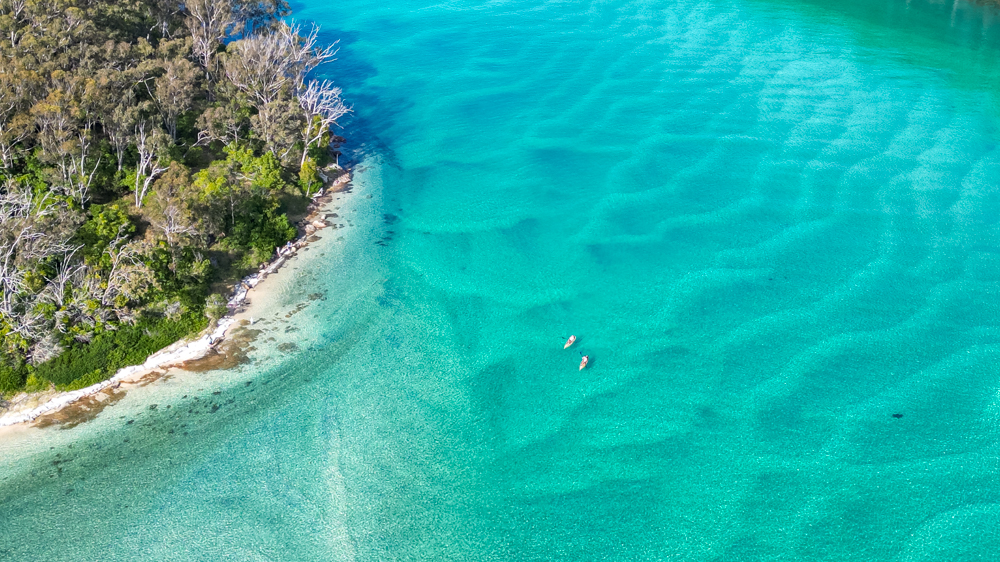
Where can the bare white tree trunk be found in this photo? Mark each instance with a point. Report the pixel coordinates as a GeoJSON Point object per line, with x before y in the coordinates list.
{"type": "Point", "coordinates": [16, 210]}
{"type": "Point", "coordinates": [210, 21]}
{"type": "Point", "coordinates": [129, 275]}
{"type": "Point", "coordinates": [119, 125]}
{"type": "Point", "coordinates": [68, 142]}
{"type": "Point", "coordinates": [268, 67]}
{"type": "Point", "coordinates": [14, 128]}
{"type": "Point", "coordinates": [267, 62]}
{"type": "Point", "coordinates": [149, 143]}
{"type": "Point", "coordinates": [321, 105]}
{"type": "Point", "coordinates": [79, 175]}
{"type": "Point", "coordinates": [67, 274]}
{"type": "Point", "coordinates": [13, 7]}
{"type": "Point", "coordinates": [173, 224]}
{"type": "Point", "coordinates": [24, 240]}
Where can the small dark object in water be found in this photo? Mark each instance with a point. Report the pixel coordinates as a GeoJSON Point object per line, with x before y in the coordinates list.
{"type": "Point", "coordinates": [897, 416]}
{"type": "Point", "coordinates": [129, 422]}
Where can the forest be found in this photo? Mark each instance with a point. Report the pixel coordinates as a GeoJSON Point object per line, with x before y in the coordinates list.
{"type": "Point", "coordinates": [151, 152]}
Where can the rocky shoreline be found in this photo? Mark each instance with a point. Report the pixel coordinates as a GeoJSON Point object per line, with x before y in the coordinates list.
{"type": "Point", "coordinates": [17, 410]}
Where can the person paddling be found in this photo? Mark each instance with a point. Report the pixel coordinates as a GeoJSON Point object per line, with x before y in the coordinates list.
{"type": "Point", "coordinates": [569, 342]}
{"type": "Point", "coordinates": [584, 361]}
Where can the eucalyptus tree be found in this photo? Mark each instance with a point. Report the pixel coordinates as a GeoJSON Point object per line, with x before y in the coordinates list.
{"type": "Point", "coordinates": [119, 125]}
{"type": "Point", "coordinates": [129, 278]}
{"type": "Point", "coordinates": [151, 145]}
{"type": "Point", "coordinates": [170, 208]}
{"type": "Point", "coordinates": [33, 228]}
{"type": "Point", "coordinates": [270, 68]}
{"type": "Point", "coordinates": [321, 105]}
{"type": "Point", "coordinates": [16, 125]}
{"type": "Point", "coordinates": [209, 22]}
{"type": "Point", "coordinates": [225, 123]}
{"type": "Point", "coordinates": [66, 135]}
{"type": "Point", "coordinates": [174, 91]}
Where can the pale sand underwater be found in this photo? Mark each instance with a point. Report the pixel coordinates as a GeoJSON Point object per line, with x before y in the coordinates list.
{"type": "Point", "coordinates": [772, 225]}
{"type": "Point", "coordinates": [276, 292]}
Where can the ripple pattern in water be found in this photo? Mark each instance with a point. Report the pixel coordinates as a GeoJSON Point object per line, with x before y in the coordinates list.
{"type": "Point", "coordinates": [772, 224]}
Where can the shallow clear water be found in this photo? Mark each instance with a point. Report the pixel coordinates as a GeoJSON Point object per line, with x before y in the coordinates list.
{"type": "Point", "coordinates": [773, 224]}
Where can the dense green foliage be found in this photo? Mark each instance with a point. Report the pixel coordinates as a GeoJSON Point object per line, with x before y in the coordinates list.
{"type": "Point", "coordinates": [85, 364]}
{"type": "Point", "coordinates": [148, 153]}
{"type": "Point", "coordinates": [12, 377]}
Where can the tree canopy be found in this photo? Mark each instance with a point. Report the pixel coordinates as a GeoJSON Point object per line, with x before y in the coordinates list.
{"type": "Point", "coordinates": [148, 150]}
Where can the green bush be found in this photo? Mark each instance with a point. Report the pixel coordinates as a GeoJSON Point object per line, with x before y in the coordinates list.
{"type": "Point", "coordinates": [105, 223]}
{"type": "Point", "coordinates": [309, 180]}
{"type": "Point", "coordinates": [85, 381]}
{"type": "Point", "coordinates": [35, 384]}
{"type": "Point", "coordinates": [12, 377]}
{"type": "Point", "coordinates": [215, 307]}
{"type": "Point", "coordinates": [111, 350]}
{"type": "Point", "coordinates": [260, 227]}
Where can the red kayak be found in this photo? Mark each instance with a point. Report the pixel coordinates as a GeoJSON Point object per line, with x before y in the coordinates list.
{"type": "Point", "coordinates": [569, 342]}
{"type": "Point", "coordinates": [584, 361]}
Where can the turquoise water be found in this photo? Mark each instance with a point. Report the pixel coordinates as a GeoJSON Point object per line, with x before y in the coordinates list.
{"type": "Point", "coordinates": [773, 225]}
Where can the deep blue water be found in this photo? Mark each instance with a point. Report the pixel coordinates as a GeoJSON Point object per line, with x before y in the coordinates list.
{"type": "Point", "coordinates": [772, 224]}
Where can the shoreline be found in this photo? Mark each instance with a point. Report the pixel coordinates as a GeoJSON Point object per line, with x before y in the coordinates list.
{"type": "Point", "coordinates": [175, 355]}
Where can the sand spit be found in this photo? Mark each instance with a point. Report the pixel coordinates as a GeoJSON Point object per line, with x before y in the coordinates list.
{"type": "Point", "coordinates": [27, 407]}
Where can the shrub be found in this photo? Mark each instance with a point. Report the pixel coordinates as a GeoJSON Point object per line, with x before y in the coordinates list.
{"type": "Point", "coordinates": [105, 224]}
{"type": "Point", "coordinates": [215, 307]}
{"type": "Point", "coordinates": [12, 377]}
{"type": "Point", "coordinates": [85, 381]}
{"type": "Point", "coordinates": [35, 384]}
{"type": "Point", "coordinates": [111, 350]}
{"type": "Point", "coordinates": [260, 225]}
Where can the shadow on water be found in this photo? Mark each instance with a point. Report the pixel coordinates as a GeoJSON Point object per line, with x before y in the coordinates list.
{"type": "Point", "coordinates": [352, 72]}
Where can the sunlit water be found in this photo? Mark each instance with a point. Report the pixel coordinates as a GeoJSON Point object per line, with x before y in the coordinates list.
{"type": "Point", "coordinates": [772, 224]}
